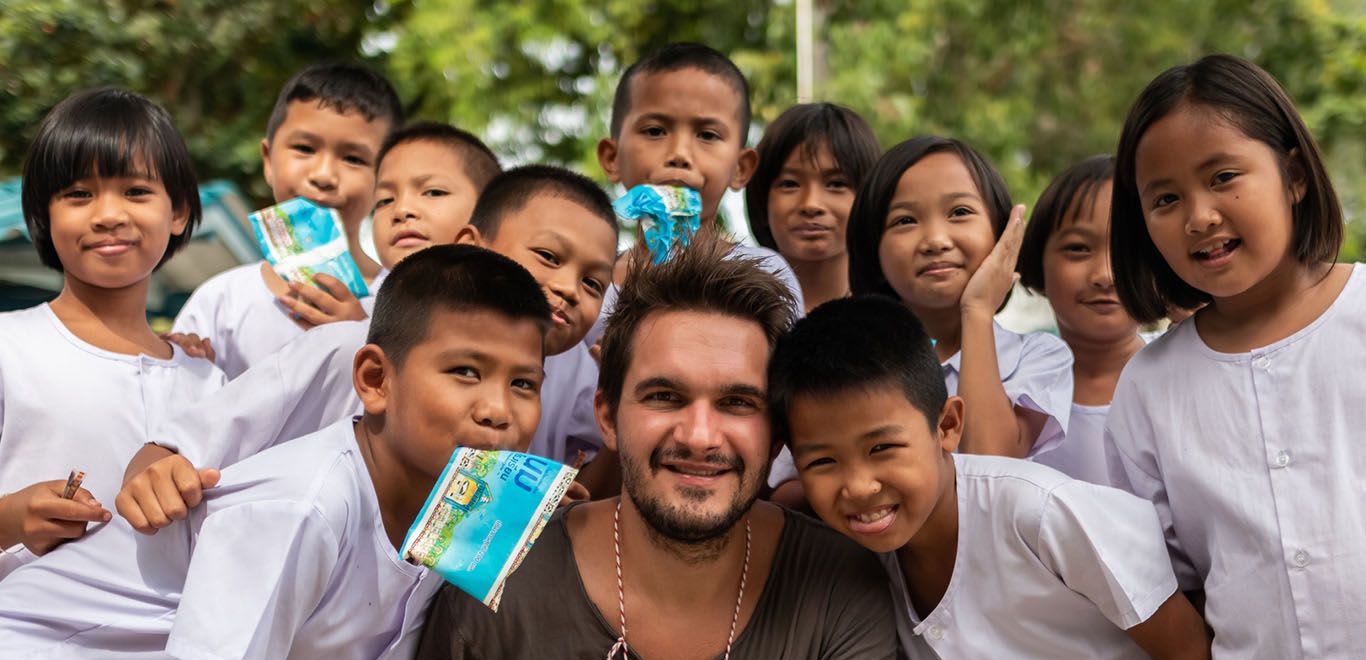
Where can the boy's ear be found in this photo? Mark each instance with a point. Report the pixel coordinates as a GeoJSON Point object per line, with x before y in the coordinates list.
{"type": "Point", "coordinates": [606, 422]}
{"type": "Point", "coordinates": [371, 373]}
{"type": "Point", "coordinates": [265, 162]}
{"type": "Point", "coordinates": [744, 169]}
{"type": "Point", "coordinates": [1295, 171]}
{"type": "Point", "coordinates": [950, 424]}
{"type": "Point", "coordinates": [607, 159]}
{"type": "Point", "coordinates": [469, 235]}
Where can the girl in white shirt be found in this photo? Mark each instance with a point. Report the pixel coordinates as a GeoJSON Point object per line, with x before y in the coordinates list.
{"type": "Point", "coordinates": [1243, 424]}
{"type": "Point", "coordinates": [108, 196]}
{"type": "Point", "coordinates": [1066, 257]}
{"type": "Point", "coordinates": [933, 227]}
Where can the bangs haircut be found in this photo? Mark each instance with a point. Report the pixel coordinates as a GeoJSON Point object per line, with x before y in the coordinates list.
{"type": "Point", "coordinates": [676, 57]}
{"type": "Point", "coordinates": [342, 87]}
{"type": "Point", "coordinates": [859, 344]}
{"type": "Point", "coordinates": [460, 278]}
{"type": "Point", "coordinates": [1068, 196]}
{"type": "Point", "coordinates": [1247, 98]}
{"type": "Point", "coordinates": [698, 278]}
{"type": "Point", "coordinates": [105, 133]}
{"type": "Point", "coordinates": [808, 126]}
{"type": "Point", "coordinates": [510, 191]}
{"type": "Point", "coordinates": [869, 213]}
{"type": "Point", "coordinates": [479, 163]}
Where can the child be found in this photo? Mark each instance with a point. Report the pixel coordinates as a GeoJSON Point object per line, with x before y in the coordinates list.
{"type": "Point", "coordinates": [321, 143]}
{"type": "Point", "coordinates": [109, 195]}
{"type": "Point", "coordinates": [929, 226]}
{"type": "Point", "coordinates": [811, 159]}
{"type": "Point", "coordinates": [1242, 423]}
{"type": "Point", "coordinates": [556, 223]}
{"type": "Point", "coordinates": [295, 554]}
{"type": "Point", "coordinates": [1065, 256]}
{"type": "Point", "coordinates": [680, 116]}
{"type": "Point", "coordinates": [988, 557]}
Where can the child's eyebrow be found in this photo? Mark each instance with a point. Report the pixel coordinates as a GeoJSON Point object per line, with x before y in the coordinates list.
{"type": "Point", "coordinates": [955, 196]}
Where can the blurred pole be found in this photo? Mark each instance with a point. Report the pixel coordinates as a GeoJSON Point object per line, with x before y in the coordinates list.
{"type": "Point", "coordinates": [806, 60]}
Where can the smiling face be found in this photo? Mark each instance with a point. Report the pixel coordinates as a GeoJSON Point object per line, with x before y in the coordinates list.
{"type": "Point", "coordinates": [473, 381]}
{"type": "Point", "coordinates": [325, 156]}
{"type": "Point", "coordinates": [1078, 280]}
{"type": "Point", "coordinates": [683, 129]}
{"type": "Point", "coordinates": [808, 206]}
{"type": "Point", "coordinates": [423, 198]}
{"type": "Point", "coordinates": [570, 251]}
{"type": "Point", "coordinates": [1216, 202]}
{"type": "Point", "coordinates": [690, 426]}
{"type": "Point", "coordinates": [936, 233]}
{"type": "Point", "coordinates": [872, 465]}
{"type": "Point", "coordinates": [112, 232]}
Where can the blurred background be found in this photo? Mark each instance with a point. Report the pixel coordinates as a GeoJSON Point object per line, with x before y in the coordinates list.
{"type": "Point", "coordinates": [1035, 84]}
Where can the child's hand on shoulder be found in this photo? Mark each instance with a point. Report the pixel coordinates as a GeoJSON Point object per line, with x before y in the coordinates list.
{"type": "Point", "coordinates": [192, 344]}
{"type": "Point", "coordinates": [41, 519]}
{"type": "Point", "coordinates": [163, 493]}
{"type": "Point", "coordinates": [987, 288]}
{"type": "Point", "coordinates": [328, 302]}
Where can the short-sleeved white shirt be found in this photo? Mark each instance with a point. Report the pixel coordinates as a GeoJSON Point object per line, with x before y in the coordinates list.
{"type": "Point", "coordinates": [286, 558]}
{"type": "Point", "coordinates": [65, 404]}
{"type": "Point", "coordinates": [1036, 371]}
{"type": "Point", "coordinates": [1081, 455]}
{"type": "Point", "coordinates": [240, 316]}
{"type": "Point", "coordinates": [1257, 466]}
{"type": "Point", "coordinates": [1047, 567]}
{"type": "Point", "coordinates": [568, 424]}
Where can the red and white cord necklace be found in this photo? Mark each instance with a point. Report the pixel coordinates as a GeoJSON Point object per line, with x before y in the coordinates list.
{"type": "Point", "coordinates": [625, 649]}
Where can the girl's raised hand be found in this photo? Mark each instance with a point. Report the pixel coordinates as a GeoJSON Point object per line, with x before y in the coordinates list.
{"type": "Point", "coordinates": [41, 519]}
{"type": "Point", "coordinates": [987, 288]}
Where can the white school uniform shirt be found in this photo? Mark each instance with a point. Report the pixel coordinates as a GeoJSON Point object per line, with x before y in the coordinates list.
{"type": "Point", "coordinates": [1046, 567]}
{"type": "Point", "coordinates": [1081, 454]}
{"type": "Point", "coordinates": [1036, 371]}
{"type": "Point", "coordinates": [286, 558]}
{"type": "Point", "coordinates": [1257, 467]}
{"type": "Point", "coordinates": [568, 424]}
{"type": "Point", "coordinates": [240, 316]}
{"type": "Point", "coordinates": [65, 404]}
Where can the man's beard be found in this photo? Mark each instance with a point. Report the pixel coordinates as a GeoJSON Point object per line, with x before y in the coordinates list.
{"type": "Point", "coordinates": [682, 525]}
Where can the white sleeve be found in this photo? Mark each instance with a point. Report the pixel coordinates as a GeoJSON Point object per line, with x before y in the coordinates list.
{"type": "Point", "coordinates": [1042, 382]}
{"type": "Point", "coordinates": [583, 434]}
{"type": "Point", "coordinates": [1106, 545]}
{"type": "Point", "coordinates": [257, 572]}
{"type": "Point", "coordinates": [1131, 460]}
{"type": "Point", "coordinates": [299, 389]}
{"type": "Point", "coordinates": [199, 313]}
{"type": "Point", "coordinates": [783, 470]}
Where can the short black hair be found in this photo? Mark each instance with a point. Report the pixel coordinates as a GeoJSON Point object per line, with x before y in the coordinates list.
{"type": "Point", "coordinates": [343, 87]}
{"type": "Point", "coordinates": [1249, 99]}
{"type": "Point", "coordinates": [702, 277]}
{"type": "Point", "coordinates": [1076, 188]}
{"type": "Point", "coordinates": [868, 215]}
{"type": "Point", "coordinates": [451, 277]}
{"type": "Point", "coordinates": [105, 132]}
{"type": "Point", "coordinates": [512, 190]}
{"type": "Point", "coordinates": [808, 126]}
{"type": "Point", "coordinates": [854, 344]}
{"type": "Point", "coordinates": [676, 57]}
{"type": "Point", "coordinates": [479, 162]}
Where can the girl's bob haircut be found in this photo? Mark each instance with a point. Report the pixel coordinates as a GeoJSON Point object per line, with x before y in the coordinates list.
{"type": "Point", "coordinates": [868, 216]}
{"type": "Point", "coordinates": [808, 126]}
{"type": "Point", "coordinates": [1070, 194]}
{"type": "Point", "coordinates": [106, 133]}
{"type": "Point", "coordinates": [1249, 99]}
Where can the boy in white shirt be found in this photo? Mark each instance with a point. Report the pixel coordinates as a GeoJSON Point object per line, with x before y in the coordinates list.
{"type": "Point", "coordinates": [322, 142]}
{"type": "Point", "coordinates": [557, 224]}
{"type": "Point", "coordinates": [988, 556]}
{"type": "Point", "coordinates": [295, 554]}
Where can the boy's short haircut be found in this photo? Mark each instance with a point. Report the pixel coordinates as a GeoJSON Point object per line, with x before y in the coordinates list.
{"type": "Point", "coordinates": [105, 132]}
{"type": "Point", "coordinates": [451, 277]}
{"type": "Point", "coordinates": [675, 57]}
{"type": "Point", "coordinates": [340, 86]}
{"type": "Point", "coordinates": [480, 164]}
{"type": "Point", "coordinates": [510, 191]}
{"type": "Point", "coordinates": [808, 126]}
{"type": "Point", "coordinates": [1076, 188]}
{"type": "Point", "coordinates": [857, 344]}
{"type": "Point", "coordinates": [703, 277]}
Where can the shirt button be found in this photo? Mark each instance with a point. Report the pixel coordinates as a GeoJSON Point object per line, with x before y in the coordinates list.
{"type": "Point", "coordinates": [1263, 363]}
{"type": "Point", "coordinates": [936, 633]}
{"type": "Point", "coordinates": [1301, 559]}
{"type": "Point", "coordinates": [1282, 459]}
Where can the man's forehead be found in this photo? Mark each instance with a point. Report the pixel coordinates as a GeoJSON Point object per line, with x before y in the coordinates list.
{"type": "Point", "coordinates": [701, 348]}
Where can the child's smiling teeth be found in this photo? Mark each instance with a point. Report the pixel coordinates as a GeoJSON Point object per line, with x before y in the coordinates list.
{"type": "Point", "coordinates": [1218, 250]}
{"type": "Point", "coordinates": [875, 515]}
